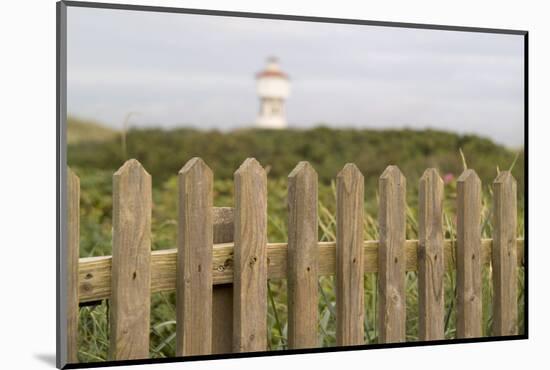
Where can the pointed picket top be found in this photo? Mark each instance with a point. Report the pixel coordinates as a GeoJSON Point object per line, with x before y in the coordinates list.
{"type": "Point", "coordinates": [430, 181]}
{"type": "Point", "coordinates": [349, 175]}
{"type": "Point", "coordinates": [131, 167]}
{"type": "Point", "coordinates": [431, 175]}
{"type": "Point", "coordinates": [303, 169]}
{"type": "Point", "coordinates": [249, 166]}
{"type": "Point", "coordinates": [349, 168]}
{"type": "Point", "coordinates": [197, 166]}
{"type": "Point", "coordinates": [469, 176]}
{"type": "Point", "coordinates": [505, 177]}
{"type": "Point", "coordinates": [430, 187]}
{"type": "Point", "coordinates": [393, 173]}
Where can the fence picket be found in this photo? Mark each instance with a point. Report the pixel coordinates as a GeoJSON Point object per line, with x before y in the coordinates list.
{"type": "Point", "coordinates": [222, 294]}
{"type": "Point", "coordinates": [250, 274]}
{"type": "Point", "coordinates": [431, 262]}
{"type": "Point", "coordinates": [73, 248]}
{"type": "Point", "coordinates": [131, 275]}
{"type": "Point", "coordinates": [194, 260]}
{"type": "Point", "coordinates": [350, 308]}
{"type": "Point", "coordinates": [95, 272]}
{"type": "Point", "coordinates": [303, 257]}
{"type": "Point", "coordinates": [504, 256]}
{"type": "Point", "coordinates": [469, 309]}
{"type": "Point", "coordinates": [391, 256]}
{"type": "Point", "coordinates": [221, 289]}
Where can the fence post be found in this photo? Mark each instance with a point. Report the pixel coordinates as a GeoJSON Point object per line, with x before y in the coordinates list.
{"type": "Point", "coordinates": [222, 295]}
{"type": "Point", "coordinates": [131, 275]}
{"type": "Point", "coordinates": [303, 257]}
{"type": "Point", "coordinates": [469, 309]}
{"type": "Point", "coordinates": [391, 256]}
{"type": "Point", "coordinates": [350, 308]}
{"type": "Point", "coordinates": [194, 260]}
{"type": "Point", "coordinates": [504, 257]}
{"type": "Point", "coordinates": [250, 270]}
{"type": "Point", "coordinates": [73, 249]}
{"type": "Point", "coordinates": [431, 263]}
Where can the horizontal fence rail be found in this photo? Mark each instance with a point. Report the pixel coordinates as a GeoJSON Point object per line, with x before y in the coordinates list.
{"type": "Point", "coordinates": [223, 260]}
{"type": "Point", "coordinates": [95, 272]}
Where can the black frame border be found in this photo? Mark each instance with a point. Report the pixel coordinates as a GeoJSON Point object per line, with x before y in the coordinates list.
{"type": "Point", "coordinates": [61, 164]}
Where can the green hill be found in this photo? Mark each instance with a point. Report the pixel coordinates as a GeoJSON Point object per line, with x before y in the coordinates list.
{"type": "Point", "coordinates": [164, 152]}
{"type": "Point", "coordinates": [79, 130]}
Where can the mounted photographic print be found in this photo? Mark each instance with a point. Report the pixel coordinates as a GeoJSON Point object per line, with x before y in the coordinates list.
{"type": "Point", "coordinates": [239, 184]}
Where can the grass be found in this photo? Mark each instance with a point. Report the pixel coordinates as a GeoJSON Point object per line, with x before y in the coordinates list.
{"type": "Point", "coordinates": [95, 240]}
{"type": "Point", "coordinates": [79, 130]}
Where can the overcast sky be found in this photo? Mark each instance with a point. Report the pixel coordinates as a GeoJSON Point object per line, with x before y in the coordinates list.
{"type": "Point", "coordinates": [194, 70]}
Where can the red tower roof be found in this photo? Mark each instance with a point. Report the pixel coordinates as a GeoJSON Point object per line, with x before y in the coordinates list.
{"type": "Point", "coordinates": [272, 74]}
{"type": "Point", "coordinates": [272, 70]}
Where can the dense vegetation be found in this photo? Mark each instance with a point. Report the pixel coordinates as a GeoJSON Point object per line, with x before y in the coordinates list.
{"type": "Point", "coordinates": [163, 153]}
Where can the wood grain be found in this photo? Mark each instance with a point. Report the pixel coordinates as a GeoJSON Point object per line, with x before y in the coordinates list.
{"type": "Point", "coordinates": [469, 306]}
{"type": "Point", "coordinates": [391, 256]}
{"type": "Point", "coordinates": [95, 272]}
{"type": "Point", "coordinates": [250, 275]}
{"type": "Point", "coordinates": [73, 249]}
{"type": "Point", "coordinates": [303, 259]}
{"type": "Point", "coordinates": [222, 295]}
{"type": "Point", "coordinates": [223, 224]}
{"type": "Point", "coordinates": [131, 273]}
{"type": "Point", "coordinates": [350, 308]}
{"type": "Point", "coordinates": [505, 308]}
{"type": "Point", "coordinates": [431, 264]}
{"type": "Point", "coordinates": [194, 259]}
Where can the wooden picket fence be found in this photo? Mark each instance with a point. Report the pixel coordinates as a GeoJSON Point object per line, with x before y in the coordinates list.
{"type": "Point", "coordinates": [223, 260]}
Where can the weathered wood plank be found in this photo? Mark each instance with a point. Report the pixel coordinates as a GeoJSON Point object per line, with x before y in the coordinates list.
{"type": "Point", "coordinates": [391, 256]}
{"type": "Point", "coordinates": [194, 259]}
{"type": "Point", "coordinates": [222, 295]}
{"type": "Point", "coordinates": [469, 306]}
{"type": "Point", "coordinates": [131, 272]}
{"type": "Point", "coordinates": [303, 258]}
{"type": "Point", "coordinates": [95, 272]}
{"type": "Point", "coordinates": [223, 224]}
{"type": "Point", "coordinates": [222, 318]}
{"type": "Point", "coordinates": [350, 308]}
{"type": "Point", "coordinates": [73, 248]}
{"type": "Point", "coordinates": [250, 275]}
{"type": "Point", "coordinates": [431, 264]}
{"type": "Point", "coordinates": [504, 258]}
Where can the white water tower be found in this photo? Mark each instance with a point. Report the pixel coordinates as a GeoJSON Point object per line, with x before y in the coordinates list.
{"type": "Point", "coordinates": [273, 88]}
